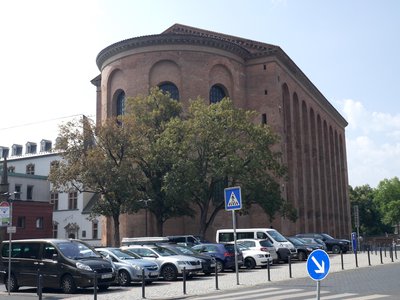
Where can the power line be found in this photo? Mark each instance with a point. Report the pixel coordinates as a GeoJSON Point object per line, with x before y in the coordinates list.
{"type": "Point", "coordinates": [43, 121]}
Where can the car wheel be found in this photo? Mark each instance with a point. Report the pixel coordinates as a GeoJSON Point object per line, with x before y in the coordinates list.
{"type": "Point", "coordinates": [207, 273]}
{"type": "Point", "coordinates": [220, 266]}
{"type": "Point", "coordinates": [336, 249]}
{"type": "Point", "coordinates": [169, 272]}
{"type": "Point", "coordinates": [68, 284]}
{"type": "Point", "coordinates": [302, 255]}
{"type": "Point", "coordinates": [13, 284]}
{"type": "Point", "coordinates": [123, 278]}
{"type": "Point", "coordinates": [250, 263]}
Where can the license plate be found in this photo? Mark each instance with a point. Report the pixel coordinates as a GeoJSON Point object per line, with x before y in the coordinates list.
{"type": "Point", "coordinates": [104, 276]}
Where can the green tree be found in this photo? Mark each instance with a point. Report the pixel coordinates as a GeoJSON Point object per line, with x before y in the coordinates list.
{"type": "Point", "coordinates": [370, 217]}
{"type": "Point", "coordinates": [387, 197]}
{"type": "Point", "coordinates": [99, 160]}
{"type": "Point", "coordinates": [218, 146]}
{"type": "Point", "coordinates": [148, 118]}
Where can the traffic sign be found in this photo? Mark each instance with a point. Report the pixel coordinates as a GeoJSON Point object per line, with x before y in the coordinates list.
{"type": "Point", "coordinates": [318, 264]}
{"type": "Point", "coordinates": [233, 198]}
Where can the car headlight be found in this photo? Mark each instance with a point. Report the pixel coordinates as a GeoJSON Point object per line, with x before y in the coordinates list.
{"type": "Point", "coordinates": [310, 249]}
{"type": "Point", "coordinates": [137, 268]}
{"type": "Point", "coordinates": [82, 266]}
{"type": "Point", "coordinates": [180, 262]}
{"type": "Point", "coordinates": [260, 255]}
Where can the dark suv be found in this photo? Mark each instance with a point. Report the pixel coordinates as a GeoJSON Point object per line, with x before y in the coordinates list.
{"type": "Point", "coordinates": [332, 244]}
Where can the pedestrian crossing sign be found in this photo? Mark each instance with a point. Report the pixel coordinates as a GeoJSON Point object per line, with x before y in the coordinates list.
{"type": "Point", "coordinates": [233, 198]}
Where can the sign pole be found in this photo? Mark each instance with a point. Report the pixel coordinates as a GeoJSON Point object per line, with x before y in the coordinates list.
{"type": "Point", "coordinates": [9, 251]}
{"type": "Point", "coordinates": [236, 252]}
{"type": "Point", "coordinates": [318, 289]}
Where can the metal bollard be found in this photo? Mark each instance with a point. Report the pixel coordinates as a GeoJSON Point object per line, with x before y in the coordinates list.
{"type": "Point", "coordinates": [355, 253]}
{"type": "Point", "coordinates": [143, 285]}
{"type": "Point", "coordinates": [290, 266]}
{"type": "Point", "coordinates": [95, 286]}
{"type": "Point", "coordinates": [40, 286]}
{"type": "Point", "coordinates": [369, 259]}
{"type": "Point", "coordinates": [341, 258]}
{"type": "Point", "coordinates": [269, 271]}
{"type": "Point", "coordinates": [216, 275]}
{"type": "Point", "coordinates": [391, 254]}
{"type": "Point", "coordinates": [184, 280]}
{"type": "Point", "coordinates": [395, 250]}
{"type": "Point", "coordinates": [385, 250]}
{"type": "Point", "coordinates": [380, 251]}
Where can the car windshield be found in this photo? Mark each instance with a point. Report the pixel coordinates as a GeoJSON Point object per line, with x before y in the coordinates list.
{"type": "Point", "coordinates": [77, 250]}
{"type": "Point", "coordinates": [184, 250]}
{"type": "Point", "coordinates": [124, 255]}
{"type": "Point", "coordinates": [265, 243]}
{"type": "Point", "coordinates": [327, 236]}
{"type": "Point", "coordinates": [163, 251]}
{"type": "Point", "coordinates": [296, 242]}
{"type": "Point", "coordinates": [277, 236]}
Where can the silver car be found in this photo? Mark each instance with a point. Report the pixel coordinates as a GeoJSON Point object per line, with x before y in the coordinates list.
{"type": "Point", "coordinates": [171, 265]}
{"type": "Point", "coordinates": [130, 266]}
{"type": "Point", "coordinates": [262, 245]}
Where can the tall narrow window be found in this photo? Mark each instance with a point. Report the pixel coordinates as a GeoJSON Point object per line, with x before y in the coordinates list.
{"type": "Point", "coordinates": [121, 104]}
{"type": "Point", "coordinates": [29, 192]}
{"type": "Point", "coordinates": [55, 230]}
{"type": "Point", "coordinates": [95, 229]}
{"type": "Point", "coordinates": [21, 222]}
{"type": "Point", "coordinates": [30, 169]}
{"type": "Point", "coordinates": [17, 194]}
{"type": "Point", "coordinates": [169, 87]}
{"type": "Point", "coordinates": [217, 93]}
{"type": "Point", "coordinates": [39, 222]}
{"type": "Point", "coordinates": [72, 200]}
{"type": "Point", "coordinates": [54, 200]}
{"type": "Point", "coordinates": [264, 119]}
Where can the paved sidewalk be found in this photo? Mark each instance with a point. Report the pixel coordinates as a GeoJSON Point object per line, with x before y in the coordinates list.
{"type": "Point", "coordinates": [226, 281]}
{"type": "Point", "coordinates": [247, 278]}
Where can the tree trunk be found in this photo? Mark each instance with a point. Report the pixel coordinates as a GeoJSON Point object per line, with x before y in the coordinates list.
{"type": "Point", "coordinates": [117, 241]}
{"type": "Point", "coordinates": [160, 227]}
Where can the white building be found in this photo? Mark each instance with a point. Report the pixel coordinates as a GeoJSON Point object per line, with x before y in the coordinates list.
{"type": "Point", "coordinates": [27, 175]}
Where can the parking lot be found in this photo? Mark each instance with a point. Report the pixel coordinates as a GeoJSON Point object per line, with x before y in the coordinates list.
{"type": "Point", "coordinates": [205, 284]}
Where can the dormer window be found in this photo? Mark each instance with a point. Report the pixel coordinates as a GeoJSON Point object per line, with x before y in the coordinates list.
{"type": "Point", "coordinates": [16, 150]}
{"type": "Point", "coordinates": [31, 148]}
{"type": "Point", "coordinates": [45, 146]}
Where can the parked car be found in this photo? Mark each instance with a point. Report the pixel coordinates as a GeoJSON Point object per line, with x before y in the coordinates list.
{"type": "Point", "coordinates": [282, 246]}
{"type": "Point", "coordinates": [262, 245]}
{"type": "Point", "coordinates": [303, 249]}
{"type": "Point", "coordinates": [171, 265]}
{"type": "Point", "coordinates": [130, 265]}
{"type": "Point", "coordinates": [316, 242]}
{"type": "Point", "coordinates": [207, 261]}
{"type": "Point", "coordinates": [332, 244]}
{"type": "Point", "coordinates": [187, 240]}
{"type": "Point", "coordinates": [254, 258]}
{"type": "Point", "coordinates": [64, 264]}
{"type": "Point", "coordinates": [224, 255]}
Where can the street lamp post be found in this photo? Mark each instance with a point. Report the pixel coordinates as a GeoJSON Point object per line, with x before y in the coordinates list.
{"type": "Point", "coordinates": [146, 206]}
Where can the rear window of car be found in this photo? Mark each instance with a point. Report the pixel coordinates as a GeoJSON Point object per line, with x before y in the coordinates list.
{"type": "Point", "coordinates": [229, 247]}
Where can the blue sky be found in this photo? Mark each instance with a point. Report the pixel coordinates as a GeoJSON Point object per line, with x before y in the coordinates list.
{"type": "Point", "coordinates": [348, 49]}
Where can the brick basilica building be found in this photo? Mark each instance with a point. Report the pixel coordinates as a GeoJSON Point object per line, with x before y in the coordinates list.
{"type": "Point", "coordinates": [190, 62]}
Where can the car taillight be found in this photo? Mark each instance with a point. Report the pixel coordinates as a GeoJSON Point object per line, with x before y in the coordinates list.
{"type": "Point", "coordinates": [229, 254]}
{"type": "Point", "coordinates": [264, 249]}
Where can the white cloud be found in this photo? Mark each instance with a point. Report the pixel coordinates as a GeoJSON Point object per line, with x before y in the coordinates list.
{"type": "Point", "coordinates": [373, 144]}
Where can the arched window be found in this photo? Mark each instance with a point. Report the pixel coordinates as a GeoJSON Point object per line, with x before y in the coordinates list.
{"type": "Point", "coordinates": [121, 103]}
{"type": "Point", "coordinates": [217, 93]}
{"type": "Point", "coordinates": [169, 87]}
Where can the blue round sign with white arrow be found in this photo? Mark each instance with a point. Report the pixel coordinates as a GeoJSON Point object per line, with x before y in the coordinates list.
{"type": "Point", "coordinates": [318, 264]}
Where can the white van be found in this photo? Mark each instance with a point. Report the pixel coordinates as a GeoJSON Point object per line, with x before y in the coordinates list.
{"type": "Point", "coordinates": [283, 247]}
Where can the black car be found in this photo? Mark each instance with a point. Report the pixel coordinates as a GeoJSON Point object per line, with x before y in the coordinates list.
{"type": "Point", "coordinates": [207, 261]}
{"type": "Point", "coordinates": [332, 244]}
{"type": "Point", "coordinates": [303, 249]}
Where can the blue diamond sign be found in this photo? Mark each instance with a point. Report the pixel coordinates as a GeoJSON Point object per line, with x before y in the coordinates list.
{"type": "Point", "coordinates": [233, 198]}
{"type": "Point", "coordinates": [318, 264]}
